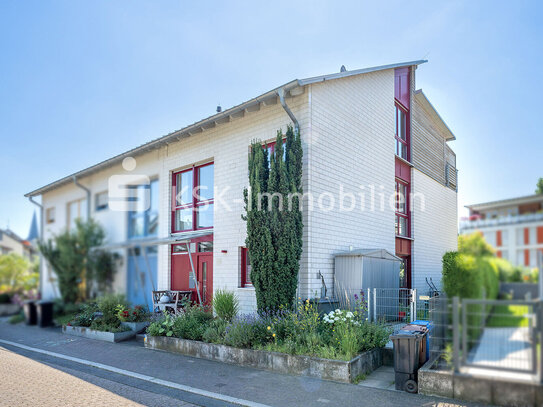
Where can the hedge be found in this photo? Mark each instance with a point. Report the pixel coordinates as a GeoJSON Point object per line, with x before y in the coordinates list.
{"type": "Point", "coordinates": [467, 276]}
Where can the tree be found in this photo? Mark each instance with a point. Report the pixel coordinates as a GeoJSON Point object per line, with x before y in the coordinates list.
{"type": "Point", "coordinates": [474, 244]}
{"type": "Point", "coordinates": [80, 271]}
{"type": "Point", "coordinates": [16, 274]}
{"type": "Point", "coordinates": [539, 186]}
{"type": "Point", "coordinates": [275, 228]}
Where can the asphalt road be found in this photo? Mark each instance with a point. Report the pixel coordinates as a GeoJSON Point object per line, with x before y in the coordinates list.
{"type": "Point", "coordinates": [94, 373]}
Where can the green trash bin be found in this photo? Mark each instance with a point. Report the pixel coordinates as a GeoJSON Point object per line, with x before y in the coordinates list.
{"type": "Point", "coordinates": [407, 351]}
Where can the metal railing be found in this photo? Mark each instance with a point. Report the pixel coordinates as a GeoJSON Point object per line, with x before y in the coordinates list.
{"type": "Point", "coordinates": [493, 335]}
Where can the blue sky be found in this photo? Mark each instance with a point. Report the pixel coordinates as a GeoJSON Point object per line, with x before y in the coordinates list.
{"type": "Point", "coordinates": [82, 81]}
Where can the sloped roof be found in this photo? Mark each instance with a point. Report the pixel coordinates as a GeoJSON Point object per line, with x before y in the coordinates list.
{"type": "Point", "coordinates": [225, 116]}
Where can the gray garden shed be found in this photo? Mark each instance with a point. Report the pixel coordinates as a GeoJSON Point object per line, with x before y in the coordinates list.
{"type": "Point", "coordinates": [358, 270]}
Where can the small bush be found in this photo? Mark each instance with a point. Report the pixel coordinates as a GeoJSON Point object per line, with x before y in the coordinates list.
{"type": "Point", "coordinates": [161, 327]}
{"type": "Point", "coordinates": [86, 315]}
{"type": "Point", "coordinates": [225, 304]}
{"type": "Point", "coordinates": [216, 331]}
{"type": "Point", "coordinates": [192, 323]}
{"type": "Point", "coordinates": [5, 298]}
{"type": "Point", "coordinates": [247, 331]}
{"type": "Point", "coordinates": [17, 318]}
{"type": "Point", "coordinates": [107, 305]}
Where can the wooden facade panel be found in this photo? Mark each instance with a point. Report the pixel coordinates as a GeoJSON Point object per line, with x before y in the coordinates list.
{"type": "Point", "coordinates": [430, 153]}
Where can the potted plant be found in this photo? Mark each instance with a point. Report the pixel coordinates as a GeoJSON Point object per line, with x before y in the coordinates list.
{"type": "Point", "coordinates": [137, 319]}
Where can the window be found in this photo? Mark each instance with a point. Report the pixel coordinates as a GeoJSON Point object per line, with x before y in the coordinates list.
{"type": "Point", "coordinates": [50, 215]}
{"type": "Point", "coordinates": [401, 134]}
{"type": "Point", "coordinates": [76, 210]}
{"type": "Point", "coordinates": [192, 205]}
{"type": "Point", "coordinates": [402, 211]}
{"type": "Point", "coordinates": [245, 268]}
{"type": "Point", "coordinates": [100, 203]}
{"type": "Point", "coordinates": [145, 223]}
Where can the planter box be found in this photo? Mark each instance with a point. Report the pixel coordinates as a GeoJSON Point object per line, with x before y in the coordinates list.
{"type": "Point", "coordinates": [9, 309]}
{"type": "Point", "coordinates": [336, 370]}
{"type": "Point", "coordinates": [100, 335]}
{"type": "Point", "coordinates": [137, 327]}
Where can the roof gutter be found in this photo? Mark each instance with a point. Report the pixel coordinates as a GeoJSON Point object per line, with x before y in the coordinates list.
{"type": "Point", "coordinates": [84, 188]}
{"type": "Point", "coordinates": [281, 94]}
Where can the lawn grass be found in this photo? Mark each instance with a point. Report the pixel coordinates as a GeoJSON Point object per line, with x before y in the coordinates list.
{"type": "Point", "coordinates": [509, 316]}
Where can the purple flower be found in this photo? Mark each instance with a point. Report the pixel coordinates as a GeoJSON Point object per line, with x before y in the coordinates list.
{"type": "Point", "coordinates": [356, 297]}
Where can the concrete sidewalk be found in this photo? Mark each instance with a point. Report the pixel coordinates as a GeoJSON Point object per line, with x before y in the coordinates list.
{"type": "Point", "coordinates": [198, 380]}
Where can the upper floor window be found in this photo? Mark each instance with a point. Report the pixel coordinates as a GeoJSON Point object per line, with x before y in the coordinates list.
{"type": "Point", "coordinates": [101, 199]}
{"type": "Point", "coordinates": [145, 223]}
{"type": "Point", "coordinates": [50, 215]}
{"type": "Point", "coordinates": [402, 142]}
{"type": "Point", "coordinates": [402, 213]}
{"type": "Point", "coordinates": [192, 204]}
{"type": "Point", "coordinates": [76, 210]}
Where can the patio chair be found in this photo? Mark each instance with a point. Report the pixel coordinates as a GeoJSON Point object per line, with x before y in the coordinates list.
{"type": "Point", "coordinates": [178, 300]}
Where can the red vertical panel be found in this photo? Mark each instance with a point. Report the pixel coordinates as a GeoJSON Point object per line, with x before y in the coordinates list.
{"type": "Point", "coordinates": [499, 254]}
{"type": "Point", "coordinates": [540, 234]}
{"type": "Point", "coordinates": [526, 257]}
{"type": "Point", "coordinates": [401, 86]}
{"type": "Point", "coordinates": [526, 236]}
{"type": "Point", "coordinates": [499, 239]}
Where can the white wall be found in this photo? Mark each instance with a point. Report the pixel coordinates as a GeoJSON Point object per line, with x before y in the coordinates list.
{"type": "Point", "coordinates": [351, 143]}
{"type": "Point", "coordinates": [434, 228]}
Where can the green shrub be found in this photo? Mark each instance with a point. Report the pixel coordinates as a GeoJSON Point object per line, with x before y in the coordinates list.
{"type": "Point", "coordinates": [86, 315]}
{"type": "Point", "coordinates": [216, 331]}
{"type": "Point", "coordinates": [17, 318]}
{"type": "Point", "coordinates": [161, 327]}
{"type": "Point", "coordinates": [247, 331]}
{"type": "Point", "coordinates": [461, 276]}
{"type": "Point", "coordinates": [225, 304]}
{"type": "Point", "coordinates": [192, 323]}
{"type": "Point", "coordinates": [108, 305]}
{"type": "Point", "coordinates": [373, 336]}
{"type": "Point", "coordinates": [488, 266]}
{"type": "Point", "coordinates": [474, 244]}
{"type": "Point", "coordinates": [5, 298]}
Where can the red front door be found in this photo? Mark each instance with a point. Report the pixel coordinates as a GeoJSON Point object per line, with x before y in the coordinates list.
{"type": "Point", "coordinates": [205, 277]}
{"type": "Point", "coordinates": [202, 259]}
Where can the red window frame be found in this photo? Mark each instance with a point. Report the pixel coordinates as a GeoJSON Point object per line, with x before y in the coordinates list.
{"type": "Point", "coordinates": [195, 203]}
{"type": "Point", "coordinates": [399, 141]}
{"type": "Point", "coordinates": [398, 212]}
{"type": "Point", "coordinates": [245, 274]}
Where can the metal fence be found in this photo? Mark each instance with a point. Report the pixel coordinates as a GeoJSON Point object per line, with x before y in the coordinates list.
{"type": "Point", "coordinates": [493, 335]}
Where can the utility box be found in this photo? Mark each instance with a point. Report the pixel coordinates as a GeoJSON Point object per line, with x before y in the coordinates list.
{"type": "Point", "coordinates": [357, 270]}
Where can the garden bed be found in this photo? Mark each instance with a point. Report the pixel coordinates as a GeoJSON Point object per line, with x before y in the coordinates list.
{"type": "Point", "coordinates": [137, 327]}
{"type": "Point", "coordinates": [9, 309]}
{"type": "Point", "coordinates": [89, 333]}
{"type": "Point", "coordinates": [327, 369]}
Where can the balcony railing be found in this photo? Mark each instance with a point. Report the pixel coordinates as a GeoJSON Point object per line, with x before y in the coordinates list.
{"type": "Point", "coordinates": [500, 221]}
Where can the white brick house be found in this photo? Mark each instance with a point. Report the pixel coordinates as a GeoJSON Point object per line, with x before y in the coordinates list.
{"type": "Point", "coordinates": [351, 143]}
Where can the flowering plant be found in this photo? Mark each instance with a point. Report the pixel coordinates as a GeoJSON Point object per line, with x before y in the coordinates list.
{"type": "Point", "coordinates": [339, 316]}
{"type": "Point", "coordinates": [136, 314]}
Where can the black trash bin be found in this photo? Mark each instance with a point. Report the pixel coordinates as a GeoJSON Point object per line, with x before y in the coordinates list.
{"type": "Point", "coordinates": [45, 313]}
{"type": "Point", "coordinates": [408, 344]}
{"type": "Point", "coordinates": [29, 308]}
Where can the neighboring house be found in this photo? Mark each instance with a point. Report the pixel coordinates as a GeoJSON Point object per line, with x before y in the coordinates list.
{"type": "Point", "coordinates": [514, 227]}
{"type": "Point", "coordinates": [364, 131]}
{"type": "Point", "coordinates": [10, 242]}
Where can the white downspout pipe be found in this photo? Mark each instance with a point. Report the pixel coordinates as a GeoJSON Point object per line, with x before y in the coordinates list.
{"type": "Point", "coordinates": [88, 192]}
{"type": "Point", "coordinates": [281, 94]}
